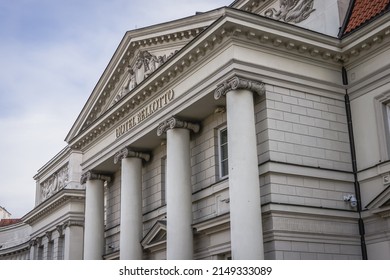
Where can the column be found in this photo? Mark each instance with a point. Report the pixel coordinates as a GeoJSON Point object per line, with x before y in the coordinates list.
{"type": "Point", "coordinates": [57, 246]}
{"type": "Point", "coordinates": [73, 240]}
{"type": "Point", "coordinates": [33, 249]}
{"type": "Point", "coordinates": [178, 188]}
{"type": "Point", "coordinates": [131, 203]}
{"type": "Point", "coordinates": [47, 246]}
{"type": "Point", "coordinates": [94, 215]}
{"type": "Point", "coordinates": [244, 188]}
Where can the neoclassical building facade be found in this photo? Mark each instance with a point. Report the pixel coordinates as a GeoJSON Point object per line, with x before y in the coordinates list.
{"type": "Point", "coordinates": [255, 131]}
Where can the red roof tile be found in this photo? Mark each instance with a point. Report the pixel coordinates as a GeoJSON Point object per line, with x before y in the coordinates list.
{"type": "Point", "coordinates": [7, 222]}
{"type": "Point", "coordinates": [363, 11]}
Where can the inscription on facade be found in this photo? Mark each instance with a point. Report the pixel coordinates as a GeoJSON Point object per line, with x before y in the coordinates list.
{"type": "Point", "coordinates": [144, 113]}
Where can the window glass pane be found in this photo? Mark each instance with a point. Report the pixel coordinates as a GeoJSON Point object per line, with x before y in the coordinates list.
{"type": "Point", "coordinates": [223, 152]}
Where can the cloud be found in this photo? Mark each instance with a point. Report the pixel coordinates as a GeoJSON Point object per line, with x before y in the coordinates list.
{"type": "Point", "coordinates": [53, 54]}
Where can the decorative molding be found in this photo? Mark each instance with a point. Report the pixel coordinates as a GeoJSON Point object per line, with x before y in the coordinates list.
{"type": "Point", "coordinates": [90, 175]}
{"type": "Point", "coordinates": [174, 122]}
{"type": "Point", "coordinates": [32, 243]}
{"type": "Point", "coordinates": [236, 83]}
{"type": "Point", "coordinates": [48, 235]}
{"type": "Point", "coordinates": [145, 64]}
{"type": "Point", "coordinates": [47, 207]}
{"type": "Point", "coordinates": [330, 51]}
{"type": "Point", "coordinates": [386, 179]}
{"type": "Point", "coordinates": [60, 229]}
{"type": "Point", "coordinates": [126, 152]}
{"type": "Point", "coordinates": [293, 11]}
{"type": "Point", "coordinates": [56, 182]}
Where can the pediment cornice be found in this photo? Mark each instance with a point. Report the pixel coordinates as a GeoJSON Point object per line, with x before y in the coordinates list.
{"type": "Point", "coordinates": [50, 205]}
{"type": "Point", "coordinates": [380, 205]}
{"type": "Point", "coordinates": [171, 34]}
{"type": "Point", "coordinates": [234, 25]}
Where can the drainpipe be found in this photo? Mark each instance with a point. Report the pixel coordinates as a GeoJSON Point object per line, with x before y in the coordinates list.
{"type": "Point", "coordinates": [354, 166]}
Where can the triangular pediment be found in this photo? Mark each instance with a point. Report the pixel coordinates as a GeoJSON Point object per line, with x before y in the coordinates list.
{"type": "Point", "coordinates": [289, 11]}
{"type": "Point", "coordinates": [140, 53]}
{"type": "Point", "coordinates": [380, 205]}
{"type": "Point", "coordinates": [157, 235]}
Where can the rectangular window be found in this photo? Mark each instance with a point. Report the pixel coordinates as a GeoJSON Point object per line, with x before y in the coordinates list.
{"type": "Point", "coordinates": [387, 126]}
{"type": "Point", "coordinates": [163, 180]}
{"type": "Point", "coordinates": [223, 152]}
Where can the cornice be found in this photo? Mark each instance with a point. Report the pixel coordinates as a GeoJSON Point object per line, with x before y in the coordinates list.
{"type": "Point", "coordinates": [48, 206]}
{"type": "Point", "coordinates": [179, 30]}
{"type": "Point", "coordinates": [235, 25]}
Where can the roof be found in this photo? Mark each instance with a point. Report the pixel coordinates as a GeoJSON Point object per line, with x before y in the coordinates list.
{"type": "Point", "coordinates": [362, 12]}
{"type": "Point", "coordinates": [7, 222]}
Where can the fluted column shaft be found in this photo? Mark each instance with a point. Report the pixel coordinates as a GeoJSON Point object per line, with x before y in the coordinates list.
{"type": "Point", "coordinates": [244, 188]}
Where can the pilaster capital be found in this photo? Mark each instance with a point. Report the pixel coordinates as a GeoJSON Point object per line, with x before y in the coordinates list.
{"type": "Point", "coordinates": [176, 123]}
{"type": "Point", "coordinates": [90, 175]}
{"type": "Point", "coordinates": [73, 223]}
{"type": "Point", "coordinates": [126, 152]}
{"type": "Point", "coordinates": [239, 83]}
{"type": "Point", "coordinates": [32, 243]}
{"type": "Point", "coordinates": [48, 235]}
{"type": "Point", "coordinates": [60, 229]}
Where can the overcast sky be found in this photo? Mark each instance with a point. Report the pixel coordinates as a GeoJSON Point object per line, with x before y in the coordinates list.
{"type": "Point", "coordinates": [52, 53]}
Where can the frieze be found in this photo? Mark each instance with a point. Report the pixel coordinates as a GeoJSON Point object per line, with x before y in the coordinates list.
{"type": "Point", "coordinates": [56, 182]}
{"type": "Point", "coordinates": [144, 113]}
{"type": "Point", "coordinates": [293, 11]}
{"type": "Point", "coordinates": [236, 83]}
{"type": "Point", "coordinates": [176, 123]}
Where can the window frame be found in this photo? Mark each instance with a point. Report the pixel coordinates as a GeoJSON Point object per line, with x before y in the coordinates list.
{"type": "Point", "coordinates": [220, 160]}
{"type": "Point", "coordinates": [382, 110]}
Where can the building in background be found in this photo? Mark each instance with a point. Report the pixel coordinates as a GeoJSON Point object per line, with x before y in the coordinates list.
{"type": "Point", "coordinates": [258, 130]}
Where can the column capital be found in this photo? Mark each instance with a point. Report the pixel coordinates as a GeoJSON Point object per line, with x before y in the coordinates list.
{"type": "Point", "coordinates": [174, 122]}
{"type": "Point", "coordinates": [239, 83]}
{"type": "Point", "coordinates": [73, 223]}
{"type": "Point", "coordinates": [127, 152]}
{"type": "Point", "coordinates": [90, 175]}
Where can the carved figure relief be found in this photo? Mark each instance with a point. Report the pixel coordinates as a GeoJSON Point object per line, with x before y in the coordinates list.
{"type": "Point", "coordinates": [55, 183]}
{"type": "Point", "coordinates": [143, 67]}
{"type": "Point", "coordinates": [292, 10]}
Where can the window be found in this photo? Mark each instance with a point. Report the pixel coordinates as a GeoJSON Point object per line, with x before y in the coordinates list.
{"type": "Point", "coordinates": [382, 111]}
{"type": "Point", "coordinates": [223, 152]}
{"type": "Point", "coordinates": [163, 180]}
{"type": "Point", "coordinates": [387, 124]}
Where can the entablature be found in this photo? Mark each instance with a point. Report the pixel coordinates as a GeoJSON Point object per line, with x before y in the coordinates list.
{"type": "Point", "coordinates": [234, 25]}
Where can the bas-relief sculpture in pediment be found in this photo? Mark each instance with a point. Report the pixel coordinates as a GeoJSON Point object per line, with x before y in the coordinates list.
{"type": "Point", "coordinates": [138, 70]}
{"type": "Point", "coordinates": [292, 11]}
